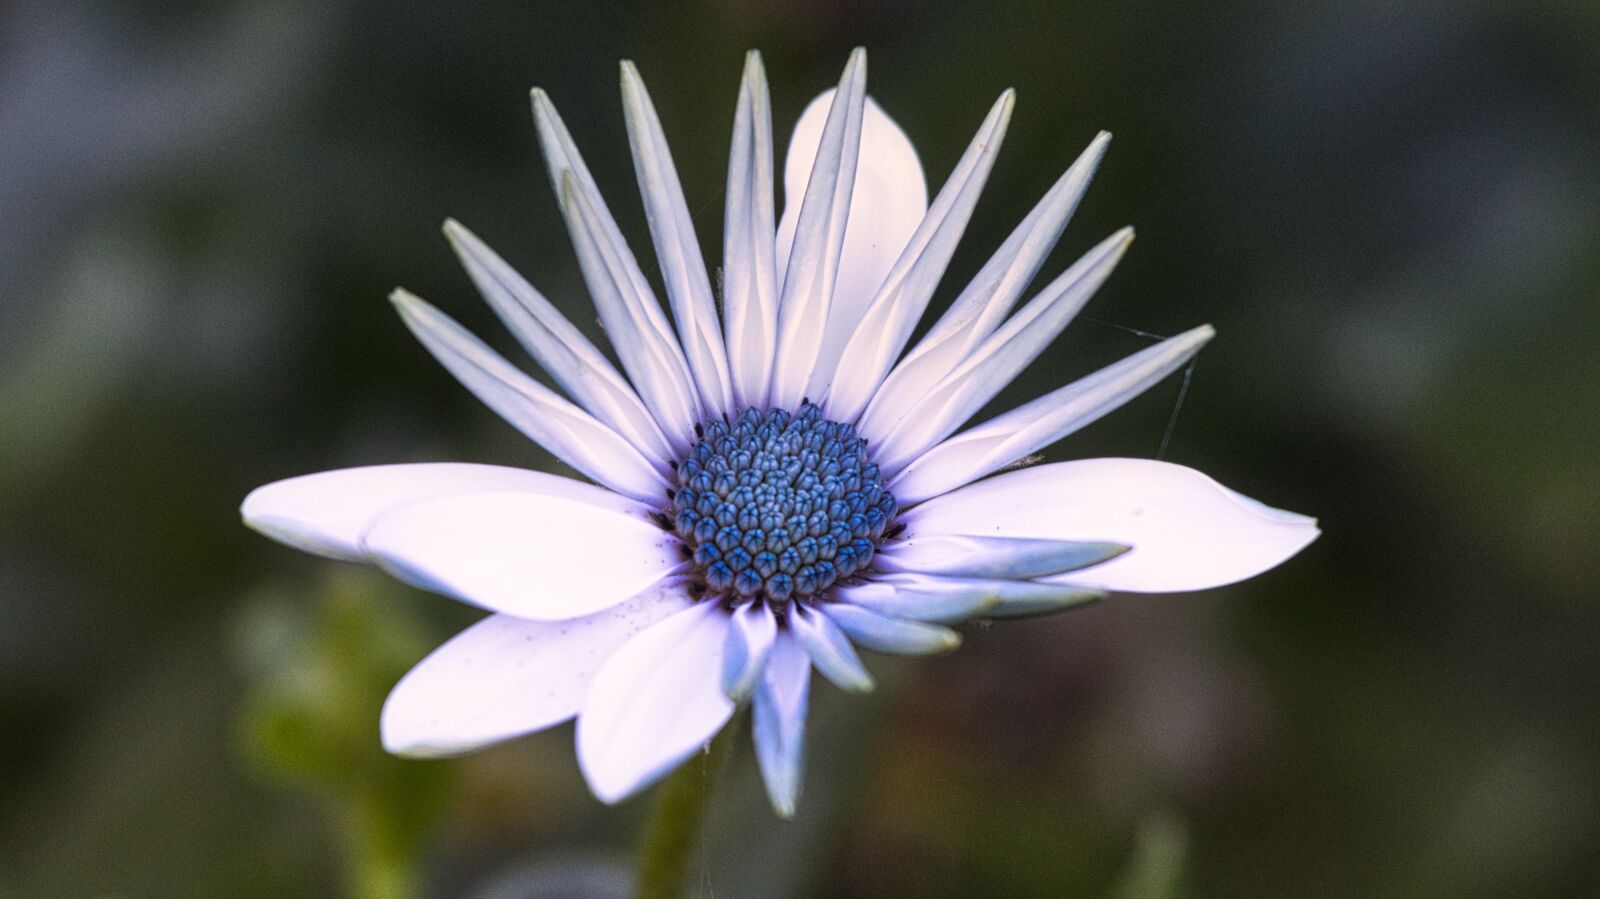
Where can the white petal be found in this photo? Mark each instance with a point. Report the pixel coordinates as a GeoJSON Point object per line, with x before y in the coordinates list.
{"type": "Point", "coordinates": [985, 302]}
{"type": "Point", "coordinates": [683, 269]}
{"type": "Point", "coordinates": [571, 434]}
{"type": "Point", "coordinates": [628, 308]}
{"type": "Point", "coordinates": [750, 637]}
{"type": "Point", "coordinates": [991, 556]}
{"type": "Point", "coordinates": [829, 649]}
{"type": "Point", "coordinates": [809, 277]}
{"type": "Point", "coordinates": [894, 635]}
{"type": "Point", "coordinates": [560, 348]}
{"type": "Point", "coordinates": [1028, 428]}
{"type": "Point", "coordinates": [522, 554]}
{"type": "Point", "coordinates": [1000, 358]}
{"type": "Point", "coordinates": [654, 702]}
{"type": "Point", "coordinates": [889, 199]}
{"type": "Point", "coordinates": [749, 267]}
{"type": "Point", "coordinates": [505, 677]}
{"type": "Point", "coordinates": [326, 513]}
{"type": "Point", "coordinates": [1187, 531]}
{"type": "Point", "coordinates": [886, 324]}
{"type": "Point", "coordinates": [779, 718]}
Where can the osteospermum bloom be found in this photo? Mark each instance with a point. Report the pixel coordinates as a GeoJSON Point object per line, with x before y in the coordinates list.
{"type": "Point", "coordinates": [773, 486]}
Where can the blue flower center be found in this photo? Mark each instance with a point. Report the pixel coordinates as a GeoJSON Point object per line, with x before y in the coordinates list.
{"type": "Point", "coordinates": [779, 505]}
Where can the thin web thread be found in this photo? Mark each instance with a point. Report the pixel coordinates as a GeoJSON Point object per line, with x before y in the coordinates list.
{"type": "Point", "coordinates": [1183, 389]}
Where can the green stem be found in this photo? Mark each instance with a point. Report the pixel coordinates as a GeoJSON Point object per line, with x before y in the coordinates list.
{"type": "Point", "coordinates": [674, 824]}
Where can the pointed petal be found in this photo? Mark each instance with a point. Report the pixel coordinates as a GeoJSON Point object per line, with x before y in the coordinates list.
{"type": "Point", "coordinates": [654, 702]}
{"type": "Point", "coordinates": [505, 677]}
{"type": "Point", "coordinates": [985, 302]}
{"type": "Point", "coordinates": [949, 600]}
{"type": "Point", "coordinates": [749, 266]}
{"type": "Point", "coordinates": [894, 311]}
{"type": "Point", "coordinates": [1015, 558]}
{"type": "Point", "coordinates": [813, 261]}
{"type": "Point", "coordinates": [628, 308]}
{"type": "Point", "coordinates": [829, 649]}
{"type": "Point", "coordinates": [889, 198]}
{"type": "Point", "coordinates": [893, 635]}
{"type": "Point", "coordinates": [683, 269]}
{"type": "Point", "coordinates": [1187, 531]}
{"type": "Point", "coordinates": [570, 433]}
{"type": "Point", "coordinates": [1031, 427]}
{"type": "Point", "coordinates": [750, 636]}
{"type": "Point", "coordinates": [629, 311]}
{"type": "Point", "coordinates": [326, 513]}
{"type": "Point", "coordinates": [560, 348]}
{"type": "Point", "coordinates": [531, 556]}
{"type": "Point", "coordinates": [780, 723]}
{"type": "Point", "coordinates": [1001, 357]}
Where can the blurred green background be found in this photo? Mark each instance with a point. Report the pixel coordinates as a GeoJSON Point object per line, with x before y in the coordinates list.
{"type": "Point", "coordinates": [1388, 209]}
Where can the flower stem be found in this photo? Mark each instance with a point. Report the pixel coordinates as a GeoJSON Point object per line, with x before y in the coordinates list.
{"type": "Point", "coordinates": [674, 825]}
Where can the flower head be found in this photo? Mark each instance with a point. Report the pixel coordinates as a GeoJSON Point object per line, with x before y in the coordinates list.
{"type": "Point", "coordinates": [773, 486]}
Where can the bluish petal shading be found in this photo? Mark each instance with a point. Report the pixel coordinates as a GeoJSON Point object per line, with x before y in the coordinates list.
{"type": "Point", "coordinates": [894, 635]}
{"type": "Point", "coordinates": [683, 269]}
{"type": "Point", "coordinates": [829, 649]}
{"type": "Point", "coordinates": [983, 305]}
{"type": "Point", "coordinates": [628, 307]}
{"type": "Point", "coordinates": [1028, 428]}
{"type": "Point", "coordinates": [985, 556]}
{"type": "Point", "coordinates": [950, 600]}
{"type": "Point", "coordinates": [808, 281]}
{"type": "Point", "coordinates": [779, 718]}
{"type": "Point", "coordinates": [749, 266]}
{"type": "Point", "coordinates": [750, 637]}
{"type": "Point", "coordinates": [560, 348]}
{"type": "Point", "coordinates": [899, 303]}
{"type": "Point", "coordinates": [571, 434]}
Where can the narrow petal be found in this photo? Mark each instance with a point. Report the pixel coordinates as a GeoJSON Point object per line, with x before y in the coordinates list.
{"type": "Point", "coordinates": [628, 308]}
{"type": "Point", "coordinates": [571, 434]}
{"type": "Point", "coordinates": [1033, 426]}
{"type": "Point", "coordinates": [889, 198]}
{"type": "Point", "coordinates": [522, 554]}
{"type": "Point", "coordinates": [1187, 531]}
{"type": "Point", "coordinates": [629, 311]}
{"type": "Point", "coordinates": [987, 299]}
{"type": "Point", "coordinates": [505, 677]}
{"type": "Point", "coordinates": [829, 649]}
{"type": "Point", "coordinates": [750, 637]}
{"type": "Point", "coordinates": [949, 600]}
{"type": "Point", "coordinates": [779, 718]}
{"type": "Point", "coordinates": [986, 556]}
{"type": "Point", "coordinates": [560, 348]}
{"type": "Point", "coordinates": [683, 269]}
{"type": "Point", "coordinates": [654, 702]}
{"type": "Point", "coordinates": [813, 261]}
{"type": "Point", "coordinates": [1001, 357]}
{"type": "Point", "coordinates": [749, 266]}
{"type": "Point", "coordinates": [886, 324]}
{"type": "Point", "coordinates": [326, 513]}
{"type": "Point", "coordinates": [893, 635]}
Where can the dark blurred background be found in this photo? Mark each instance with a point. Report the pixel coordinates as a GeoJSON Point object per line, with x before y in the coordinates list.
{"type": "Point", "coordinates": [1388, 209]}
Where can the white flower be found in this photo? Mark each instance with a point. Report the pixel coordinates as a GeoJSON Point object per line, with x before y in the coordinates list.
{"type": "Point", "coordinates": [775, 487]}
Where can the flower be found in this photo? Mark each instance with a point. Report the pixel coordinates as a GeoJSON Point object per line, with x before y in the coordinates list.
{"type": "Point", "coordinates": [774, 487]}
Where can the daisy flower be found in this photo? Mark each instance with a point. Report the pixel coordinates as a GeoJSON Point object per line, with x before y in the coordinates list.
{"type": "Point", "coordinates": [778, 480]}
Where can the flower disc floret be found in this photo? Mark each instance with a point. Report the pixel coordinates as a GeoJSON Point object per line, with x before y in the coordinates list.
{"type": "Point", "coordinates": [779, 506]}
